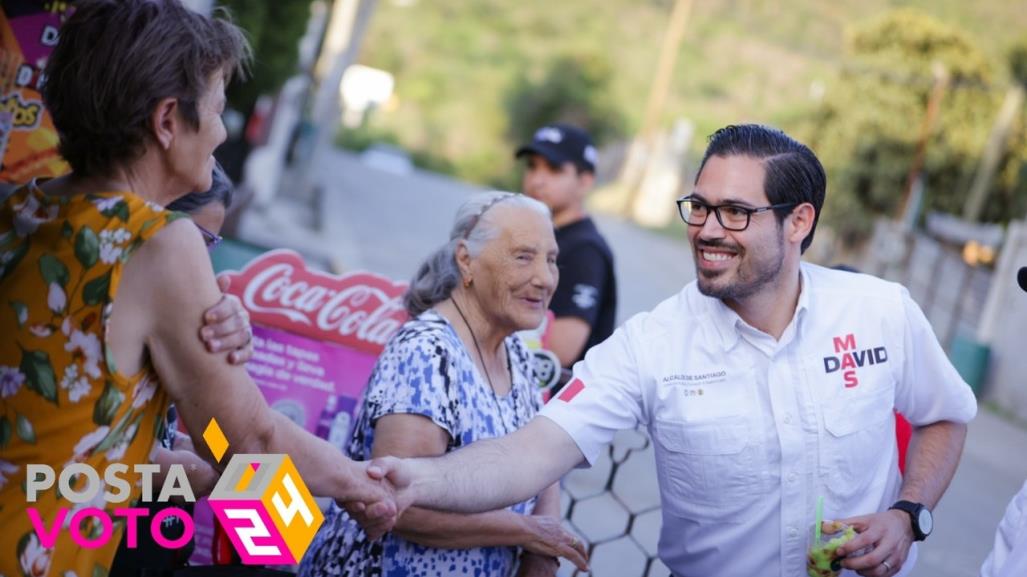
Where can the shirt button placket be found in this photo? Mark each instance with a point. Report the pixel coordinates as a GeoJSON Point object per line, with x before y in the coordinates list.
{"type": "Point", "coordinates": [793, 549]}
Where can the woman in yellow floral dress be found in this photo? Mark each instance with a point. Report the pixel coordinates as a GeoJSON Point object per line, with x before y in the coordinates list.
{"type": "Point", "coordinates": [57, 389]}
{"type": "Point", "coordinates": [102, 292]}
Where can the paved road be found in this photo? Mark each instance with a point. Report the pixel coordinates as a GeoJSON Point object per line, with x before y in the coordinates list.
{"type": "Point", "coordinates": [388, 222]}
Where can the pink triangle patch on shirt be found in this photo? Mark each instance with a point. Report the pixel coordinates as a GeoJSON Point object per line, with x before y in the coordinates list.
{"type": "Point", "coordinates": [571, 390]}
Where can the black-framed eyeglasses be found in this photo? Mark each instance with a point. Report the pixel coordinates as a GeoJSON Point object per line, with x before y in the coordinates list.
{"type": "Point", "coordinates": [733, 217]}
{"type": "Point", "coordinates": [211, 239]}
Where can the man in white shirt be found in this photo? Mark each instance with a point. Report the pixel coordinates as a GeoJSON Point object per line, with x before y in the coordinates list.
{"type": "Point", "coordinates": [1009, 556]}
{"type": "Point", "coordinates": [766, 383]}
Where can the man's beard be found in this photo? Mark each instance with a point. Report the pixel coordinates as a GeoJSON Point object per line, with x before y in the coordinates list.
{"type": "Point", "coordinates": [748, 282]}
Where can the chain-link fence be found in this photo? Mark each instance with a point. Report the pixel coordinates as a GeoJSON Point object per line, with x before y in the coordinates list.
{"type": "Point", "coordinates": [615, 507]}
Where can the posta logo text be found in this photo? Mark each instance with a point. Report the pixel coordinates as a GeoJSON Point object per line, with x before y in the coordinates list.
{"type": "Point", "coordinates": [263, 504]}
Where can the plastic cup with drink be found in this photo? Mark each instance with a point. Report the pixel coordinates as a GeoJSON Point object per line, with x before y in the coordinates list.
{"type": "Point", "coordinates": [822, 559]}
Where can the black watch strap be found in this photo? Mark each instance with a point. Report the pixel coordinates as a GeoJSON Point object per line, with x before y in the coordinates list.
{"type": "Point", "coordinates": [913, 510]}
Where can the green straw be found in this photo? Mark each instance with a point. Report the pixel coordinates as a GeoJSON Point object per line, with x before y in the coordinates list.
{"type": "Point", "coordinates": [820, 519]}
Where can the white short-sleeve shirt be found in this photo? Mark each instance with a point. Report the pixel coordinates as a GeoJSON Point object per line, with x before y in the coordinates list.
{"type": "Point", "coordinates": [1009, 556]}
{"type": "Point", "coordinates": [749, 430]}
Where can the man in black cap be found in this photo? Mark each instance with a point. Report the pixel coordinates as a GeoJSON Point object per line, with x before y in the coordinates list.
{"type": "Point", "coordinates": [560, 171]}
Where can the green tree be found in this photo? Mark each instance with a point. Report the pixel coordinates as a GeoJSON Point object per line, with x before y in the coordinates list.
{"type": "Point", "coordinates": [1018, 62]}
{"type": "Point", "coordinates": [273, 29]}
{"type": "Point", "coordinates": [1012, 177]}
{"type": "Point", "coordinates": [575, 90]}
{"type": "Point", "coordinates": [867, 129]}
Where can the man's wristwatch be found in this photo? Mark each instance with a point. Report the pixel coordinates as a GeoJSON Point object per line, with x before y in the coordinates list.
{"type": "Point", "coordinates": [920, 518]}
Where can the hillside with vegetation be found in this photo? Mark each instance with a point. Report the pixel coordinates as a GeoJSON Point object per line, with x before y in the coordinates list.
{"type": "Point", "coordinates": [850, 77]}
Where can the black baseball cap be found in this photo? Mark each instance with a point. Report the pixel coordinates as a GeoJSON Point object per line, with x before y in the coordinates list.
{"type": "Point", "coordinates": [560, 143]}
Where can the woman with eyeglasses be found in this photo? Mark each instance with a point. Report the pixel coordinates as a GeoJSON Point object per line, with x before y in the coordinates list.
{"type": "Point", "coordinates": [208, 209]}
{"type": "Point", "coordinates": [104, 291]}
{"type": "Point", "coordinates": [454, 374]}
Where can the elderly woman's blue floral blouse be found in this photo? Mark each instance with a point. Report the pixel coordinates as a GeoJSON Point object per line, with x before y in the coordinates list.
{"type": "Point", "coordinates": [426, 370]}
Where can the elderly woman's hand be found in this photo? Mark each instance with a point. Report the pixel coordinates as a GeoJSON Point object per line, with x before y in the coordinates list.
{"type": "Point", "coordinates": [533, 565]}
{"type": "Point", "coordinates": [550, 539]}
{"type": "Point", "coordinates": [371, 519]}
{"type": "Point", "coordinates": [226, 327]}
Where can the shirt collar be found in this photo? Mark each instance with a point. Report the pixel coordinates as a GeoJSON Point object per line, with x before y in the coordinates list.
{"type": "Point", "coordinates": [729, 325]}
{"type": "Point", "coordinates": [802, 306]}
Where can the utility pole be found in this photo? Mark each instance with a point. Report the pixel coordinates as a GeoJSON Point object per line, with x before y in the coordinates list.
{"type": "Point", "coordinates": [640, 150]}
{"type": "Point", "coordinates": [915, 183]}
{"type": "Point", "coordinates": [1011, 107]}
{"type": "Point", "coordinates": [346, 28]}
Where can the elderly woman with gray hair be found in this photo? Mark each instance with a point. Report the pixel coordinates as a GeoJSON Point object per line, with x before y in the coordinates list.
{"type": "Point", "coordinates": [454, 374]}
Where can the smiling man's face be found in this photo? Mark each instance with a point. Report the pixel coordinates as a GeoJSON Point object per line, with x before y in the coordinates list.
{"type": "Point", "coordinates": [735, 265]}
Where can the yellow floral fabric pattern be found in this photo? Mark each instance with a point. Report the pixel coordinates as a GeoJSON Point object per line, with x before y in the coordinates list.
{"type": "Point", "coordinates": [62, 401]}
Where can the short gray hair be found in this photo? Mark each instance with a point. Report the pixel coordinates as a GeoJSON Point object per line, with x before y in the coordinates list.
{"type": "Point", "coordinates": [439, 274]}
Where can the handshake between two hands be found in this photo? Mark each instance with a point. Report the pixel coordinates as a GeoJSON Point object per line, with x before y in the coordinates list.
{"type": "Point", "coordinates": [380, 493]}
{"type": "Point", "coordinates": [384, 488]}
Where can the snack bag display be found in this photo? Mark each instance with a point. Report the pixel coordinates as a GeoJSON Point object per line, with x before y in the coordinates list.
{"type": "Point", "coordinates": [28, 139]}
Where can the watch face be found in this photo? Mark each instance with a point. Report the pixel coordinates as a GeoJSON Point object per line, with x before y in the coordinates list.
{"type": "Point", "coordinates": [926, 521]}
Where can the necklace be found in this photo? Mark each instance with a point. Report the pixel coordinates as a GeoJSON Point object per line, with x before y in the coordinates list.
{"type": "Point", "coordinates": [485, 369]}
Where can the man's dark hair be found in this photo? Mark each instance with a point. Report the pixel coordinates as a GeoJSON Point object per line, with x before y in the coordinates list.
{"type": "Point", "coordinates": [116, 59]}
{"type": "Point", "coordinates": [793, 172]}
{"type": "Point", "coordinates": [221, 190]}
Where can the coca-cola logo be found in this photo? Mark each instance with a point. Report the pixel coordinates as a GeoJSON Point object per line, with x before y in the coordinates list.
{"type": "Point", "coordinates": [359, 310]}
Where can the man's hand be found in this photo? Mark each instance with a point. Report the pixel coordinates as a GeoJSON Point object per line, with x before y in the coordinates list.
{"type": "Point", "coordinates": [533, 565]}
{"type": "Point", "coordinates": [373, 503]}
{"type": "Point", "coordinates": [887, 535]}
{"type": "Point", "coordinates": [226, 327]}
{"type": "Point", "coordinates": [398, 475]}
{"type": "Point", "coordinates": [550, 539]}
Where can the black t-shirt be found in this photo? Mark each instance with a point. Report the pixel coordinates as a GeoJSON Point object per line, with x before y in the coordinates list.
{"type": "Point", "coordinates": [587, 288]}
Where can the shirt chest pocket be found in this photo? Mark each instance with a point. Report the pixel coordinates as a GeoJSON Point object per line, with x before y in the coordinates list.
{"type": "Point", "coordinates": [707, 470]}
{"type": "Point", "coordinates": [859, 438]}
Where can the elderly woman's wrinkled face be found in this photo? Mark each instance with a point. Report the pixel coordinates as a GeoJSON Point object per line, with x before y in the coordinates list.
{"type": "Point", "coordinates": [515, 274]}
{"type": "Point", "coordinates": [193, 155]}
